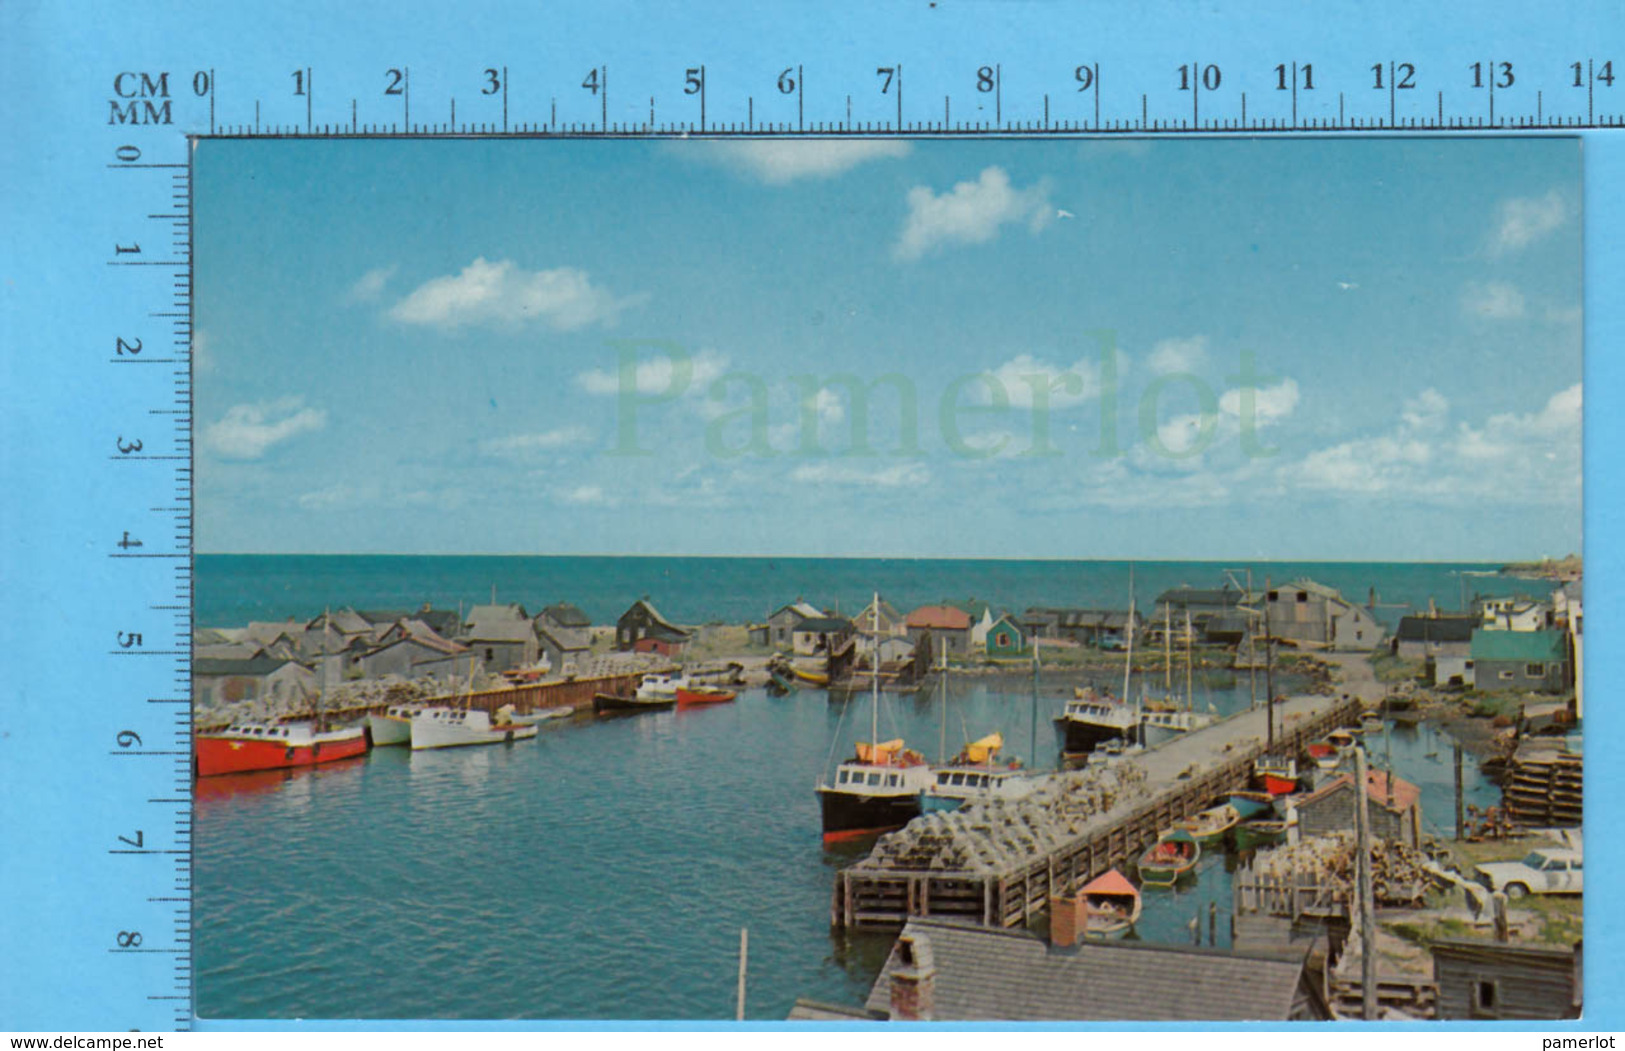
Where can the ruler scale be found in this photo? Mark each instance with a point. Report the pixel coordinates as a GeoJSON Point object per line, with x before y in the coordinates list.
{"type": "Point", "coordinates": [154, 116]}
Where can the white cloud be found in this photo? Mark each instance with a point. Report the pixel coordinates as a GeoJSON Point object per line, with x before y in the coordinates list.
{"type": "Point", "coordinates": [897, 476]}
{"type": "Point", "coordinates": [779, 161]}
{"type": "Point", "coordinates": [1426, 411]}
{"type": "Point", "coordinates": [1178, 355]}
{"type": "Point", "coordinates": [1522, 221]}
{"type": "Point", "coordinates": [503, 293]}
{"type": "Point", "coordinates": [1538, 436]}
{"type": "Point", "coordinates": [1365, 465]}
{"type": "Point", "coordinates": [1494, 300]}
{"type": "Point", "coordinates": [248, 431]}
{"type": "Point", "coordinates": [1527, 458]}
{"type": "Point", "coordinates": [970, 213]}
{"type": "Point", "coordinates": [371, 284]}
{"type": "Point", "coordinates": [519, 445]}
{"type": "Point", "coordinates": [657, 375]}
{"type": "Point", "coordinates": [586, 496]}
{"type": "Point", "coordinates": [1024, 378]}
{"type": "Point", "coordinates": [1271, 405]}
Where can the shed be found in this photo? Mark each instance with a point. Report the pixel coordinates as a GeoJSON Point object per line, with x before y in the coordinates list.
{"type": "Point", "coordinates": [1490, 980]}
{"type": "Point", "coordinates": [1396, 810]}
{"type": "Point", "coordinates": [564, 615]}
{"type": "Point", "coordinates": [1006, 638]}
{"type": "Point", "coordinates": [567, 649]}
{"type": "Point", "coordinates": [952, 972]}
{"type": "Point", "coordinates": [816, 635]}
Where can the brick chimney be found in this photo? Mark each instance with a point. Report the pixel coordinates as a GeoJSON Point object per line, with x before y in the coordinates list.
{"type": "Point", "coordinates": [1066, 920]}
{"type": "Point", "coordinates": [913, 981]}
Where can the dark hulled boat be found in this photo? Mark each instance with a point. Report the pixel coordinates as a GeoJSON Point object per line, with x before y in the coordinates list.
{"type": "Point", "coordinates": [610, 704]}
{"type": "Point", "coordinates": [1090, 720]}
{"type": "Point", "coordinates": [876, 791]}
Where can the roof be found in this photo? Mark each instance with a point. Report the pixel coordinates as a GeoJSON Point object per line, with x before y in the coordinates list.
{"type": "Point", "coordinates": [823, 624]}
{"type": "Point", "coordinates": [947, 618]}
{"type": "Point", "coordinates": [799, 607]}
{"type": "Point", "coordinates": [502, 623]}
{"type": "Point", "coordinates": [566, 615]}
{"type": "Point", "coordinates": [266, 632]}
{"type": "Point", "coordinates": [377, 617]}
{"type": "Point", "coordinates": [570, 640]}
{"type": "Point", "coordinates": [414, 630]}
{"type": "Point", "coordinates": [984, 974]}
{"type": "Point", "coordinates": [1518, 645]}
{"type": "Point", "coordinates": [672, 631]}
{"type": "Point", "coordinates": [257, 666]}
{"type": "Point", "coordinates": [1436, 629]}
{"type": "Point", "coordinates": [1405, 796]}
{"type": "Point", "coordinates": [806, 1010]}
{"type": "Point", "coordinates": [1077, 618]}
{"type": "Point", "coordinates": [1225, 597]}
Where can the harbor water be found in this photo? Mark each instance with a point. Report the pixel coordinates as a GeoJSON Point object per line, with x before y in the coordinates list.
{"type": "Point", "coordinates": [601, 871]}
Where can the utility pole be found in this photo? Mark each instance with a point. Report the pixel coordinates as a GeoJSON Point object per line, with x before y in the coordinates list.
{"type": "Point", "coordinates": [1368, 925]}
{"type": "Point", "coordinates": [1461, 831]}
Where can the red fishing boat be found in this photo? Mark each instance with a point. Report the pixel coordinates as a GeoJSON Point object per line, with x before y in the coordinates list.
{"type": "Point", "coordinates": [687, 695]}
{"type": "Point", "coordinates": [241, 747]}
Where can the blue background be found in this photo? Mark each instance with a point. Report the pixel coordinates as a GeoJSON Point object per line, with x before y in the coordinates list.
{"type": "Point", "coordinates": [64, 799]}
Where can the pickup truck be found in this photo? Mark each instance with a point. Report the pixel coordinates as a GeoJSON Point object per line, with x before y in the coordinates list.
{"type": "Point", "coordinates": [1546, 871]}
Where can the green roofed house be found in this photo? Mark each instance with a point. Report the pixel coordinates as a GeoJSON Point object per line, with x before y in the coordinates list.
{"type": "Point", "coordinates": [1520, 660]}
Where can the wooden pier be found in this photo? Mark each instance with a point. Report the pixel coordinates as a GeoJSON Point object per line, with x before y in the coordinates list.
{"type": "Point", "coordinates": [1180, 778]}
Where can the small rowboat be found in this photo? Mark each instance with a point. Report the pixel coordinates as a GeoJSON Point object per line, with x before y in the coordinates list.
{"type": "Point", "coordinates": [1111, 906]}
{"type": "Point", "coordinates": [815, 678]}
{"type": "Point", "coordinates": [1210, 825]}
{"type": "Point", "coordinates": [1342, 740]}
{"type": "Point", "coordinates": [1252, 804]}
{"type": "Point", "coordinates": [1250, 834]}
{"type": "Point", "coordinates": [609, 704]}
{"type": "Point", "coordinates": [1325, 754]}
{"type": "Point", "coordinates": [1171, 857]}
{"type": "Point", "coordinates": [688, 695]}
{"type": "Point", "coordinates": [1371, 722]}
{"type": "Point", "coordinates": [543, 715]}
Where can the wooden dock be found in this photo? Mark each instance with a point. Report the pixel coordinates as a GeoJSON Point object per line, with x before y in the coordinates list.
{"type": "Point", "coordinates": [1179, 778]}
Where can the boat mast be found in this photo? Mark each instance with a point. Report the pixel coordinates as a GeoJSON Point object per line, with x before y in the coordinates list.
{"type": "Point", "coordinates": [1167, 651]}
{"type": "Point", "coordinates": [942, 743]}
{"type": "Point", "coordinates": [1032, 753]}
{"type": "Point", "coordinates": [1190, 695]}
{"type": "Point", "coordinates": [1128, 654]}
{"type": "Point", "coordinates": [874, 676]}
{"type": "Point", "coordinates": [1269, 672]}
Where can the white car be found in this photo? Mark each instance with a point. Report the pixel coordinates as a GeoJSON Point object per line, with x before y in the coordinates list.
{"type": "Point", "coordinates": [1550, 870]}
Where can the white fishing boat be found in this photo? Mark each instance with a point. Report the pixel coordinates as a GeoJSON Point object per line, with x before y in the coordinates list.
{"type": "Point", "coordinates": [394, 726]}
{"type": "Point", "coordinates": [453, 727]}
{"type": "Point", "coordinates": [662, 686]}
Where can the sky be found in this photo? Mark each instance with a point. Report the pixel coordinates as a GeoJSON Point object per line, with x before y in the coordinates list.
{"type": "Point", "coordinates": [1356, 349]}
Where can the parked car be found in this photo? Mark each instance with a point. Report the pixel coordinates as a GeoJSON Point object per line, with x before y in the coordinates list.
{"type": "Point", "coordinates": [1550, 870]}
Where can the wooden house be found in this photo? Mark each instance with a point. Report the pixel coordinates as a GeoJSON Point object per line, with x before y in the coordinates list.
{"type": "Point", "coordinates": [949, 627]}
{"type": "Point", "coordinates": [567, 650]}
{"type": "Point", "coordinates": [1395, 808]}
{"type": "Point", "coordinates": [816, 636]}
{"type": "Point", "coordinates": [502, 636]}
{"type": "Point", "coordinates": [890, 622]}
{"type": "Point", "coordinates": [641, 629]}
{"type": "Point", "coordinates": [406, 646]}
{"type": "Point", "coordinates": [782, 622]}
{"type": "Point", "coordinates": [276, 681]}
{"type": "Point", "coordinates": [1316, 616]}
{"type": "Point", "coordinates": [1484, 980]}
{"type": "Point", "coordinates": [564, 615]}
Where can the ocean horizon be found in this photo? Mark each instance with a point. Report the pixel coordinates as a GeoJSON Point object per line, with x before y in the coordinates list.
{"type": "Point", "coordinates": [233, 589]}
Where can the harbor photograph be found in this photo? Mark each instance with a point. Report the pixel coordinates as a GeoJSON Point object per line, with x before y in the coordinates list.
{"type": "Point", "coordinates": [863, 581]}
